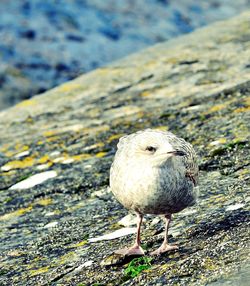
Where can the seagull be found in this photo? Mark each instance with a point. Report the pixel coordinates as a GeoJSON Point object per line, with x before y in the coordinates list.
{"type": "Point", "coordinates": [154, 172]}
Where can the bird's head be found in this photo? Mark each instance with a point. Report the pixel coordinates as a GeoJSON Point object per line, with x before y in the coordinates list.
{"type": "Point", "coordinates": [149, 146]}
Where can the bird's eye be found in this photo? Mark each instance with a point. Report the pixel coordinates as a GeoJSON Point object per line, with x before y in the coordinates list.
{"type": "Point", "coordinates": [151, 149]}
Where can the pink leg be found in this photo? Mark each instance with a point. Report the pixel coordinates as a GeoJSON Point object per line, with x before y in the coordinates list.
{"type": "Point", "coordinates": [136, 248]}
{"type": "Point", "coordinates": [165, 246]}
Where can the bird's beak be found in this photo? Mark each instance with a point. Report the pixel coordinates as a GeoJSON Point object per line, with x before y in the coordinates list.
{"type": "Point", "coordinates": [177, 153]}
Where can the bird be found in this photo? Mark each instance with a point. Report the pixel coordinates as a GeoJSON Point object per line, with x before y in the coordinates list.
{"type": "Point", "coordinates": [154, 172]}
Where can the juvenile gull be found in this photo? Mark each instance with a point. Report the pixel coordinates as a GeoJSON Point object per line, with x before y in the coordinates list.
{"type": "Point", "coordinates": [154, 172]}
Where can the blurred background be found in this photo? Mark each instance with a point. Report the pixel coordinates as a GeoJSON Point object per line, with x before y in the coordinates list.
{"type": "Point", "coordinates": [46, 42]}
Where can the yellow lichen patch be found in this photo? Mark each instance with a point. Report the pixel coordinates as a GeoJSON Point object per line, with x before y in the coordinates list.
{"type": "Point", "coordinates": [71, 86]}
{"type": "Point", "coordinates": [114, 137]}
{"type": "Point", "coordinates": [19, 164]}
{"type": "Point", "coordinates": [160, 92]}
{"type": "Point", "coordinates": [9, 153]}
{"type": "Point", "coordinates": [15, 253]}
{"type": "Point", "coordinates": [21, 147]}
{"type": "Point", "coordinates": [216, 108]}
{"type": "Point", "coordinates": [70, 256]}
{"type": "Point", "coordinates": [67, 87]}
{"type": "Point", "coordinates": [241, 133]}
{"type": "Point", "coordinates": [40, 143]}
{"type": "Point", "coordinates": [124, 113]}
{"type": "Point", "coordinates": [29, 119]}
{"type": "Point", "coordinates": [39, 271]}
{"type": "Point", "coordinates": [56, 212]}
{"type": "Point", "coordinates": [243, 172]}
{"type": "Point", "coordinates": [151, 64]}
{"type": "Point", "coordinates": [218, 142]}
{"type": "Point", "coordinates": [16, 213]}
{"type": "Point", "coordinates": [222, 140]}
{"type": "Point", "coordinates": [81, 157]}
{"type": "Point", "coordinates": [27, 103]}
{"type": "Point", "coordinates": [81, 243]}
{"type": "Point", "coordinates": [114, 226]}
{"type": "Point", "coordinates": [104, 70]}
{"type": "Point", "coordinates": [53, 139]}
{"type": "Point", "coordinates": [101, 154]}
{"type": "Point", "coordinates": [43, 159]}
{"type": "Point", "coordinates": [165, 267]}
{"type": "Point", "coordinates": [162, 128]}
{"type": "Point", "coordinates": [62, 159]}
{"type": "Point", "coordinates": [97, 129]}
{"type": "Point", "coordinates": [242, 109]}
{"type": "Point", "coordinates": [209, 264]}
{"type": "Point", "coordinates": [45, 202]}
{"type": "Point", "coordinates": [247, 101]}
{"type": "Point", "coordinates": [8, 173]}
{"type": "Point", "coordinates": [99, 144]}
{"type": "Point", "coordinates": [18, 147]}
{"type": "Point", "coordinates": [4, 147]}
{"type": "Point", "coordinates": [108, 73]}
{"type": "Point", "coordinates": [77, 206]}
{"type": "Point", "coordinates": [146, 93]}
{"type": "Point", "coordinates": [217, 198]}
{"type": "Point", "coordinates": [49, 133]}
{"type": "Point", "coordinates": [172, 60]}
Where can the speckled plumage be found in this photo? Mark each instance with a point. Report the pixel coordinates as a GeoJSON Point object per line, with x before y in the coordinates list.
{"type": "Point", "coordinates": [154, 172]}
{"type": "Point", "coordinates": [154, 183]}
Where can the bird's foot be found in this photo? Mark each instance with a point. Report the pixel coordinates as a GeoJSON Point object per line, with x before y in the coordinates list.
{"type": "Point", "coordinates": [134, 250]}
{"type": "Point", "coordinates": [164, 248]}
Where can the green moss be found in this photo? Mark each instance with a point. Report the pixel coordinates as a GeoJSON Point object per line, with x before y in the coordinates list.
{"type": "Point", "coordinates": [237, 142]}
{"type": "Point", "coordinates": [136, 266]}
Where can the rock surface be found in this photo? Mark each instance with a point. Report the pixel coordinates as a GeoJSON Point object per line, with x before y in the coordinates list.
{"type": "Point", "coordinates": [44, 43]}
{"type": "Point", "coordinates": [61, 144]}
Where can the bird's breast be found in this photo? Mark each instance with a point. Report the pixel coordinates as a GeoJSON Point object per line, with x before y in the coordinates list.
{"type": "Point", "coordinates": [149, 189]}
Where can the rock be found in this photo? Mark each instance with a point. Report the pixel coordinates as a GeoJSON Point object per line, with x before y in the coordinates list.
{"type": "Point", "coordinates": [128, 220]}
{"type": "Point", "coordinates": [45, 43]}
{"type": "Point", "coordinates": [197, 86]}
{"type": "Point", "coordinates": [114, 259]}
{"type": "Point", "coordinates": [33, 180]}
{"type": "Point", "coordinates": [115, 234]}
{"type": "Point", "coordinates": [235, 207]}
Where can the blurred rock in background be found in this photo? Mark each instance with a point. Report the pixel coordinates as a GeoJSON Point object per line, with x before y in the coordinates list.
{"type": "Point", "coordinates": [44, 43]}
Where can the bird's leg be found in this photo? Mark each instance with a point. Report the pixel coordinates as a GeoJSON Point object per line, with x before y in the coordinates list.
{"type": "Point", "coordinates": [136, 248]}
{"type": "Point", "coordinates": [165, 246]}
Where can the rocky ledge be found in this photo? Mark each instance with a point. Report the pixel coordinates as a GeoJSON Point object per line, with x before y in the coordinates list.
{"type": "Point", "coordinates": [44, 43]}
{"type": "Point", "coordinates": [57, 148]}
